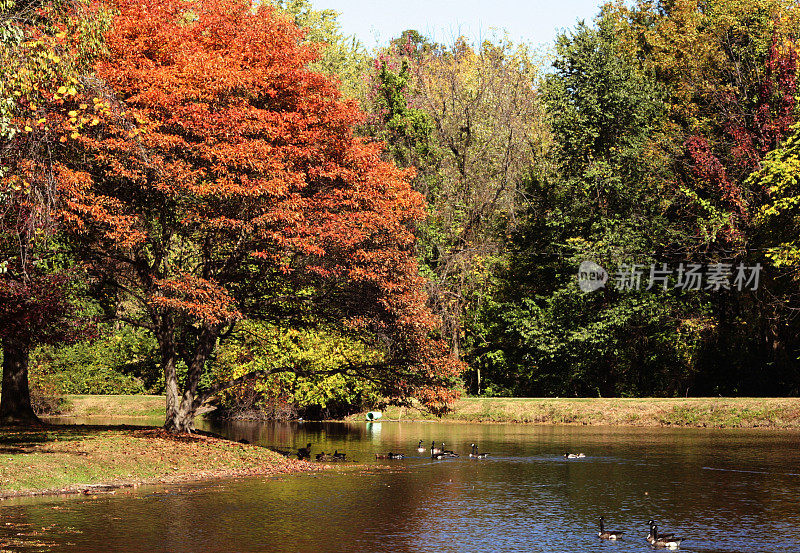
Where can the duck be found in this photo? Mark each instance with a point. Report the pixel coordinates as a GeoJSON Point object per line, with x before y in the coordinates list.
{"type": "Point", "coordinates": [420, 448]}
{"type": "Point", "coordinates": [434, 450]}
{"type": "Point", "coordinates": [607, 534]}
{"type": "Point", "coordinates": [574, 456]}
{"type": "Point", "coordinates": [474, 453]}
{"type": "Point", "coordinates": [304, 452]}
{"type": "Point", "coordinates": [663, 540]}
{"type": "Point", "coordinates": [339, 456]}
{"type": "Point", "coordinates": [390, 455]}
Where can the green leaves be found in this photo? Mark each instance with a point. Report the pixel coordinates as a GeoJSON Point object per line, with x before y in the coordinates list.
{"type": "Point", "coordinates": [780, 216]}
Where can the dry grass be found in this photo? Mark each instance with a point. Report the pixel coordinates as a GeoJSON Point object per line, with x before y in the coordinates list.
{"type": "Point", "coordinates": [693, 412]}
{"type": "Point", "coordinates": [69, 459]}
{"type": "Point", "coordinates": [114, 406]}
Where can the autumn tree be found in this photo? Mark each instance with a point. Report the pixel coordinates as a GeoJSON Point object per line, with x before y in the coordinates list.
{"type": "Point", "coordinates": [659, 111]}
{"type": "Point", "coordinates": [470, 119]}
{"type": "Point", "coordinates": [45, 47]}
{"type": "Point", "coordinates": [340, 56]}
{"type": "Point", "coordinates": [245, 194]}
{"type": "Point", "coordinates": [36, 309]}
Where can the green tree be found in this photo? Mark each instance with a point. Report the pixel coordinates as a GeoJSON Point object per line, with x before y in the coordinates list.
{"type": "Point", "coordinates": [605, 201]}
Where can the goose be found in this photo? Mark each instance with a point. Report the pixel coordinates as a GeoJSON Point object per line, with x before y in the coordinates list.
{"type": "Point", "coordinates": [304, 452]}
{"type": "Point", "coordinates": [651, 523]}
{"type": "Point", "coordinates": [668, 541]}
{"type": "Point", "coordinates": [436, 453]}
{"type": "Point", "coordinates": [339, 456]}
{"type": "Point", "coordinates": [574, 456]}
{"type": "Point", "coordinates": [390, 455]}
{"type": "Point", "coordinates": [447, 452]}
{"type": "Point", "coordinates": [474, 453]}
{"type": "Point", "coordinates": [322, 457]}
{"type": "Point", "coordinates": [420, 448]}
{"type": "Point", "coordinates": [607, 534]}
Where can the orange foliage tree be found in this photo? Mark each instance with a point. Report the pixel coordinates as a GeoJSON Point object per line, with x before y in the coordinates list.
{"type": "Point", "coordinates": [221, 180]}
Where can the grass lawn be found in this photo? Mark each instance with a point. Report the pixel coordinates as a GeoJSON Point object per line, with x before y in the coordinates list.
{"type": "Point", "coordinates": [64, 459]}
{"type": "Point", "coordinates": [114, 406]}
{"type": "Point", "coordinates": [694, 412]}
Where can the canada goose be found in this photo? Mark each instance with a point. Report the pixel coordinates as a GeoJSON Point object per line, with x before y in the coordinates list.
{"type": "Point", "coordinates": [474, 453]}
{"type": "Point", "coordinates": [651, 523]}
{"type": "Point", "coordinates": [668, 541]}
{"type": "Point", "coordinates": [420, 448]}
{"type": "Point", "coordinates": [339, 456]}
{"type": "Point", "coordinates": [322, 457]}
{"type": "Point", "coordinates": [574, 456]}
{"type": "Point", "coordinates": [448, 452]}
{"type": "Point", "coordinates": [607, 534]}
{"type": "Point", "coordinates": [304, 452]}
{"type": "Point", "coordinates": [436, 453]}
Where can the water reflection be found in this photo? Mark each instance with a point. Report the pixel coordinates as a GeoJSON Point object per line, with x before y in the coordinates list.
{"type": "Point", "coordinates": [726, 491]}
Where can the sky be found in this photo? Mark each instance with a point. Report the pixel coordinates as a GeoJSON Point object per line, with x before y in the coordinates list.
{"type": "Point", "coordinates": [536, 22]}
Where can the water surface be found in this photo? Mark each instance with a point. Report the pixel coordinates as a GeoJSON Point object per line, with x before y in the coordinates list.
{"type": "Point", "coordinates": [725, 490]}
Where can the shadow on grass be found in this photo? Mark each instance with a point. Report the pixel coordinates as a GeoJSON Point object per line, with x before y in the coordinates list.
{"type": "Point", "coordinates": [21, 440]}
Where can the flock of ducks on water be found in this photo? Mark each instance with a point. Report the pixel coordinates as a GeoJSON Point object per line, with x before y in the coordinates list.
{"type": "Point", "coordinates": [436, 452]}
{"type": "Point", "coordinates": [304, 453]}
{"type": "Point", "coordinates": [655, 539]}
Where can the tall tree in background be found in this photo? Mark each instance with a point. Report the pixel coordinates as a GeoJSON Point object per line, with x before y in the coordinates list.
{"type": "Point", "coordinates": [660, 112]}
{"type": "Point", "coordinates": [342, 57]}
{"type": "Point", "coordinates": [729, 70]}
{"type": "Point", "coordinates": [246, 194]}
{"type": "Point", "coordinates": [604, 202]}
{"type": "Point", "coordinates": [471, 122]}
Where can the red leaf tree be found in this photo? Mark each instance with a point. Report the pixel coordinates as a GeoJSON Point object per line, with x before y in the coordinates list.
{"type": "Point", "coordinates": [34, 309]}
{"type": "Point", "coordinates": [47, 45]}
{"type": "Point", "coordinates": [224, 182]}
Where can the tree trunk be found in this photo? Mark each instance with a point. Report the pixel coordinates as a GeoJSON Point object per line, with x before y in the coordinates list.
{"type": "Point", "coordinates": [177, 420]}
{"type": "Point", "coordinates": [181, 407]}
{"type": "Point", "coordinates": [15, 402]}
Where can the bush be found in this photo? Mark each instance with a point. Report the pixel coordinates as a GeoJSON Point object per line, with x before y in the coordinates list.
{"type": "Point", "coordinates": [121, 361]}
{"type": "Point", "coordinates": [285, 395]}
{"type": "Point", "coordinates": [46, 399]}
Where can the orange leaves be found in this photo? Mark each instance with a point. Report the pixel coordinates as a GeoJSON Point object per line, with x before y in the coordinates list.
{"type": "Point", "coordinates": [226, 182]}
{"type": "Point", "coordinates": [200, 298]}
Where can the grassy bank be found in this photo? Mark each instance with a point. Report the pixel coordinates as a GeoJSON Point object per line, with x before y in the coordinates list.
{"type": "Point", "coordinates": [694, 412]}
{"type": "Point", "coordinates": [88, 459]}
{"type": "Point", "coordinates": [114, 406]}
{"type": "Point", "coordinates": [691, 412]}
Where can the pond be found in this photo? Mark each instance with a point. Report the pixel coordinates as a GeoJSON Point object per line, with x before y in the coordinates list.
{"type": "Point", "coordinates": [723, 490]}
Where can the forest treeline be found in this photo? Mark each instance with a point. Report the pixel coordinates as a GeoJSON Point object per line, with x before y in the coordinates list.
{"type": "Point", "coordinates": [658, 141]}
